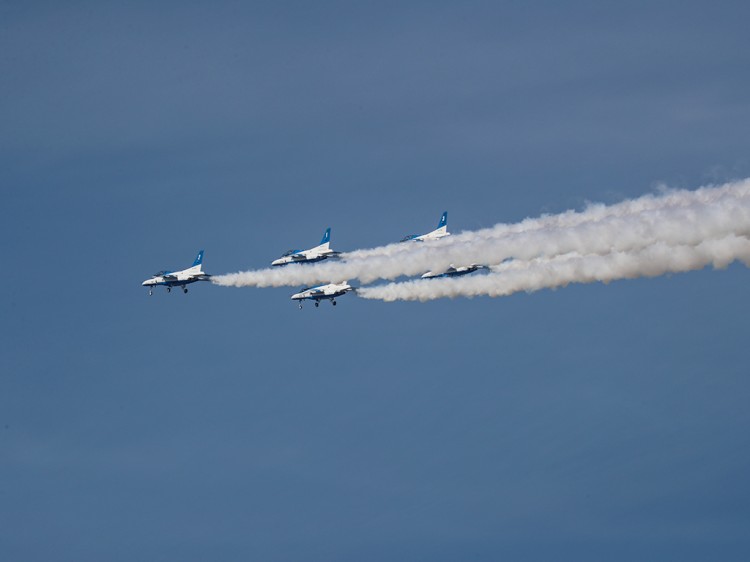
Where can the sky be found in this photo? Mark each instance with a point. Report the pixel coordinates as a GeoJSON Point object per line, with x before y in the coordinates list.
{"type": "Point", "coordinates": [588, 422]}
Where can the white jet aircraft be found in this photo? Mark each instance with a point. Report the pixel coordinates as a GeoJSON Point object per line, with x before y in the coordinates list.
{"type": "Point", "coordinates": [317, 294]}
{"type": "Point", "coordinates": [171, 279]}
{"type": "Point", "coordinates": [439, 232]}
{"type": "Point", "coordinates": [453, 271]}
{"type": "Point", "coordinates": [318, 253]}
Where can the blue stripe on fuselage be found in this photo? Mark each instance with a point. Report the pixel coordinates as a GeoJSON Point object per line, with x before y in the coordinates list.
{"type": "Point", "coordinates": [306, 260]}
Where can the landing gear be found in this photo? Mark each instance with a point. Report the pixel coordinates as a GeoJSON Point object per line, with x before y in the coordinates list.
{"type": "Point", "coordinates": [184, 290]}
{"type": "Point", "coordinates": [300, 306]}
{"type": "Point", "coordinates": [150, 292]}
{"type": "Point", "coordinates": [333, 302]}
{"type": "Point", "coordinates": [317, 304]}
{"type": "Point", "coordinates": [169, 289]}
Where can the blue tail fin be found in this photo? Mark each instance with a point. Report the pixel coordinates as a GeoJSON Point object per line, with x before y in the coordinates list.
{"type": "Point", "coordinates": [443, 220]}
{"type": "Point", "coordinates": [326, 236]}
{"type": "Point", "coordinates": [198, 259]}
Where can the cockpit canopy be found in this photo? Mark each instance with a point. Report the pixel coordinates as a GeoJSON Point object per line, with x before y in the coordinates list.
{"type": "Point", "coordinates": [290, 252]}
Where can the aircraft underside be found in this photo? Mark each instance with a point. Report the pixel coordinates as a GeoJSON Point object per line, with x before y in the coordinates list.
{"type": "Point", "coordinates": [317, 301]}
{"type": "Point", "coordinates": [170, 285]}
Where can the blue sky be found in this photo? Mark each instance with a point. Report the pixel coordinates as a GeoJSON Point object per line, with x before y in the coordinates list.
{"type": "Point", "coordinates": [588, 422]}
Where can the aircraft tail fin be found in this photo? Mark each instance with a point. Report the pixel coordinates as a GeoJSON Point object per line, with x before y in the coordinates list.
{"type": "Point", "coordinates": [326, 236]}
{"type": "Point", "coordinates": [198, 261]}
{"type": "Point", "coordinates": [443, 220]}
{"type": "Point", "coordinates": [326, 241]}
{"type": "Point", "coordinates": [442, 227]}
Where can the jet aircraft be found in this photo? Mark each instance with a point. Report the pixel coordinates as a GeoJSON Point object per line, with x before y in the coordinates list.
{"type": "Point", "coordinates": [318, 253]}
{"type": "Point", "coordinates": [317, 294]}
{"type": "Point", "coordinates": [182, 278]}
{"type": "Point", "coordinates": [453, 271]}
{"type": "Point", "coordinates": [439, 232]}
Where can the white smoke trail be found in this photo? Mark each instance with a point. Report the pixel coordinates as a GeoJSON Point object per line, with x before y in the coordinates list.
{"type": "Point", "coordinates": [676, 218]}
{"type": "Point", "coordinates": [543, 273]}
{"type": "Point", "coordinates": [668, 198]}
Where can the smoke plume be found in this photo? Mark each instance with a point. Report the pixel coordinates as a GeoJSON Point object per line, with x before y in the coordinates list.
{"type": "Point", "coordinates": [636, 234]}
{"type": "Point", "coordinates": [544, 273]}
